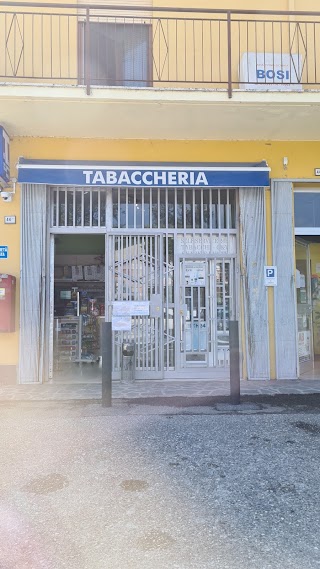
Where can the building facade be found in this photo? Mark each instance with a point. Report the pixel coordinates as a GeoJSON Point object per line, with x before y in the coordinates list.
{"type": "Point", "coordinates": [163, 175]}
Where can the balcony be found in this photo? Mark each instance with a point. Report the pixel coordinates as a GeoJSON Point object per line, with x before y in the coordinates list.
{"type": "Point", "coordinates": [122, 72]}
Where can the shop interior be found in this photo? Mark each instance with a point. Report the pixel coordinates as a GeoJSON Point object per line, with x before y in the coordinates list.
{"type": "Point", "coordinates": [79, 307]}
{"type": "Point", "coordinates": [308, 305]}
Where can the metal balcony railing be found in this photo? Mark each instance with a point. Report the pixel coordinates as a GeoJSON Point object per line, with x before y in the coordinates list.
{"type": "Point", "coordinates": [100, 46]}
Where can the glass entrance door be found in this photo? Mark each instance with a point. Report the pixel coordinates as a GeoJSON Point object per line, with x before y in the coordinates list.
{"type": "Point", "coordinates": [304, 307]}
{"type": "Point", "coordinates": [196, 331]}
{"type": "Point", "coordinates": [206, 306]}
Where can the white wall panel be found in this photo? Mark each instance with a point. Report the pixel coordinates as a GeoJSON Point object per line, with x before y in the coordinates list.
{"type": "Point", "coordinates": [284, 293]}
{"type": "Point", "coordinates": [32, 282]}
{"type": "Point", "coordinates": [253, 251]}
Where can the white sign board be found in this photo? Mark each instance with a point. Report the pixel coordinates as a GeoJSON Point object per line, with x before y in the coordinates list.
{"type": "Point", "coordinates": [131, 308]}
{"type": "Point", "coordinates": [277, 71]}
{"type": "Point", "coordinates": [195, 274]}
{"type": "Point", "coordinates": [270, 276]}
{"type": "Point", "coordinates": [10, 219]}
{"type": "Point", "coordinates": [121, 323]}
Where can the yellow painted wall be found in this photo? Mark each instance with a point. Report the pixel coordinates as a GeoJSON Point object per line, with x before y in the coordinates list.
{"type": "Point", "coordinates": [10, 235]}
{"type": "Point", "coordinates": [303, 158]}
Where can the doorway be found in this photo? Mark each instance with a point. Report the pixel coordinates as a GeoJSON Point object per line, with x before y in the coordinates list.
{"type": "Point", "coordinates": [77, 307]}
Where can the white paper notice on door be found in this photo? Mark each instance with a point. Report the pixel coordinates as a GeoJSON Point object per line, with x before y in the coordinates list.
{"type": "Point", "coordinates": [131, 307]}
{"type": "Point", "coordinates": [121, 323]}
{"type": "Point", "coordinates": [195, 274]}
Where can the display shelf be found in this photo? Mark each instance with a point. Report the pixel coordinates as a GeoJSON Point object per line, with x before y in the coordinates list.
{"type": "Point", "coordinates": [90, 339]}
{"type": "Point", "coordinates": [76, 340]}
{"type": "Point", "coordinates": [66, 340]}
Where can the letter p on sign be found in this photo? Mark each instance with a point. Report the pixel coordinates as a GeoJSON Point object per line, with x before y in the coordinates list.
{"type": "Point", "coordinates": [270, 276]}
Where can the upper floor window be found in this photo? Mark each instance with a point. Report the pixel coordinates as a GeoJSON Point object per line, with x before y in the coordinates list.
{"type": "Point", "coordinates": [306, 211]}
{"type": "Point", "coordinates": [119, 54]}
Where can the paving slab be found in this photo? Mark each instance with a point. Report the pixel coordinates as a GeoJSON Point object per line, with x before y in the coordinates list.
{"type": "Point", "coordinates": [153, 389]}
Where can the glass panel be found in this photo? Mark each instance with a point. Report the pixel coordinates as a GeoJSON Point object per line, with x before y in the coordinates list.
{"type": "Point", "coordinates": [95, 210]}
{"type": "Point", "coordinates": [86, 204]}
{"type": "Point", "coordinates": [146, 209]}
{"type": "Point", "coordinates": [189, 209]}
{"type": "Point", "coordinates": [171, 209]}
{"type": "Point", "coordinates": [115, 208]}
{"type": "Point", "coordinates": [131, 208]}
{"type": "Point", "coordinates": [206, 209]}
{"type": "Point", "coordinates": [223, 209]}
{"type": "Point", "coordinates": [197, 207]}
{"type": "Point", "coordinates": [70, 208]}
{"type": "Point", "coordinates": [307, 209]}
{"type": "Point", "coordinates": [180, 209]}
{"type": "Point", "coordinates": [155, 208]}
{"type": "Point", "coordinates": [119, 54]}
{"type": "Point", "coordinates": [304, 307]}
{"type": "Point", "coordinates": [214, 209]}
{"type": "Point", "coordinates": [123, 208]}
{"type": "Point", "coordinates": [103, 208]}
{"type": "Point", "coordinates": [138, 208]}
{"type": "Point", "coordinates": [198, 358]}
{"type": "Point", "coordinates": [78, 208]}
{"type": "Point", "coordinates": [232, 209]}
{"type": "Point", "coordinates": [163, 223]}
{"type": "Point", "coordinates": [62, 208]}
{"type": "Point", "coordinates": [169, 271]}
{"type": "Point", "coordinates": [54, 205]}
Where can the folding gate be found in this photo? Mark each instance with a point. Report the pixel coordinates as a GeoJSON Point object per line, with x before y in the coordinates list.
{"type": "Point", "coordinates": [134, 272]}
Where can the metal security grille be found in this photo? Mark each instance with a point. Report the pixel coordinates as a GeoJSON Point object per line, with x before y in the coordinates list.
{"type": "Point", "coordinates": [165, 208]}
{"type": "Point", "coordinates": [154, 238]}
{"type": "Point", "coordinates": [78, 207]}
{"type": "Point", "coordinates": [135, 273]}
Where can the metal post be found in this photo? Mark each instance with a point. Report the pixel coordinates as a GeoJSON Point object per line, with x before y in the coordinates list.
{"type": "Point", "coordinates": [229, 55]}
{"type": "Point", "coordinates": [234, 362]}
{"type": "Point", "coordinates": [106, 353]}
{"type": "Point", "coordinates": [87, 51]}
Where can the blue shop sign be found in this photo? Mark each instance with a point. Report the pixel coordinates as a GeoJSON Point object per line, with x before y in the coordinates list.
{"type": "Point", "coordinates": [4, 157]}
{"type": "Point", "coordinates": [106, 174]}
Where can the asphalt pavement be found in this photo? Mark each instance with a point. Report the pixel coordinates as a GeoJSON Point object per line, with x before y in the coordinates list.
{"type": "Point", "coordinates": [147, 487]}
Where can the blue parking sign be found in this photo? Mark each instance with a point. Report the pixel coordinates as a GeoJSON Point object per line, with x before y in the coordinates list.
{"type": "Point", "coordinates": [3, 251]}
{"type": "Point", "coordinates": [270, 276]}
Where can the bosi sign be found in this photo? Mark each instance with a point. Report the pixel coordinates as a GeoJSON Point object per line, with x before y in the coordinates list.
{"type": "Point", "coordinates": [144, 178]}
{"type": "Point", "coordinates": [278, 71]}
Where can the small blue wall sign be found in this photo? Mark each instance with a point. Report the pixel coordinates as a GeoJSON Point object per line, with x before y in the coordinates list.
{"type": "Point", "coordinates": [4, 251]}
